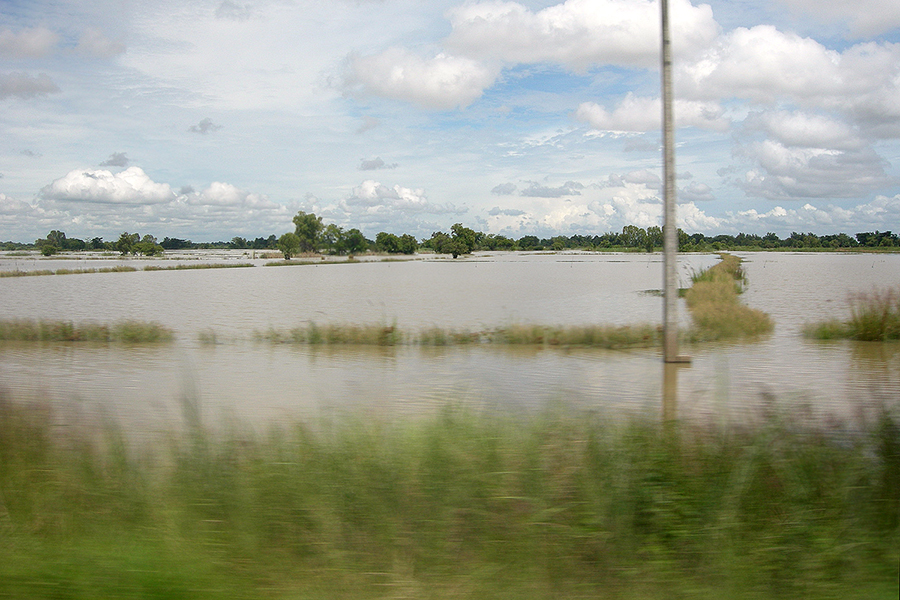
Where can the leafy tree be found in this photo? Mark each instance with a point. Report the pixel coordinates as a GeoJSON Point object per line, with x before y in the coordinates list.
{"type": "Point", "coordinates": [463, 238]}
{"type": "Point", "coordinates": [289, 244]}
{"type": "Point", "coordinates": [387, 242]}
{"type": "Point", "coordinates": [238, 243]}
{"type": "Point", "coordinates": [529, 242]}
{"type": "Point", "coordinates": [175, 244]}
{"type": "Point", "coordinates": [407, 244]}
{"type": "Point", "coordinates": [127, 242]}
{"type": "Point", "coordinates": [96, 243]}
{"type": "Point", "coordinates": [355, 242]}
{"type": "Point", "coordinates": [307, 229]}
{"type": "Point", "coordinates": [332, 239]}
{"type": "Point", "coordinates": [57, 238]}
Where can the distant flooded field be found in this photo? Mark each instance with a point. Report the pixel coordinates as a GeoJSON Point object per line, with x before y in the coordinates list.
{"type": "Point", "coordinates": [216, 313]}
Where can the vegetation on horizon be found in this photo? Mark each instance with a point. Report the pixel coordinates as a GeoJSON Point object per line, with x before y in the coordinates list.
{"type": "Point", "coordinates": [560, 504]}
{"type": "Point", "coordinates": [874, 317]}
{"type": "Point", "coordinates": [315, 236]}
{"type": "Point", "coordinates": [125, 332]}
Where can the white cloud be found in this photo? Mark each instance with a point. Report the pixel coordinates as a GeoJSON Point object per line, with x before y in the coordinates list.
{"type": "Point", "coordinates": [696, 192]}
{"type": "Point", "coordinates": [801, 129]}
{"type": "Point", "coordinates": [23, 85]}
{"type": "Point", "coordinates": [94, 43]}
{"type": "Point", "coordinates": [442, 82]}
{"type": "Point", "coordinates": [799, 172]}
{"type": "Point", "coordinates": [116, 159]}
{"type": "Point", "coordinates": [131, 186]}
{"type": "Point", "coordinates": [375, 164]}
{"type": "Point", "coordinates": [867, 216]}
{"type": "Point", "coordinates": [536, 190]}
{"type": "Point", "coordinates": [577, 33]}
{"type": "Point", "coordinates": [863, 17]}
{"type": "Point", "coordinates": [27, 43]}
{"type": "Point", "coordinates": [641, 114]}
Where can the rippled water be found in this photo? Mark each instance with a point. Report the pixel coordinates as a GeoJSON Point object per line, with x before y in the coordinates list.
{"type": "Point", "coordinates": [140, 386]}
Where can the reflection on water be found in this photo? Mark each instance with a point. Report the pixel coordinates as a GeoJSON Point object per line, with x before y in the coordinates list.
{"type": "Point", "coordinates": [141, 386]}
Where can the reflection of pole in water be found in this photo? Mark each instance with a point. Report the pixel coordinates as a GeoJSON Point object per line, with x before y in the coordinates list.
{"type": "Point", "coordinates": [670, 390]}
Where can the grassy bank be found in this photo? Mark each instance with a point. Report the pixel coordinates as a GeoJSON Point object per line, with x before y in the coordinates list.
{"type": "Point", "coordinates": [874, 317]}
{"type": "Point", "coordinates": [457, 505]}
{"type": "Point", "coordinates": [122, 269]}
{"type": "Point", "coordinates": [126, 332]}
{"type": "Point", "coordinates": [713, 301]}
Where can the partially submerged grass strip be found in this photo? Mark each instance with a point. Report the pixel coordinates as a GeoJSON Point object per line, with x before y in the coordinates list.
{"type": "Point", "coordinates": [715, 307]}
{"type": "Point", "coordinates": [41, 272]}
{"type": "Point", "coordinates": [200, 265]}
{"type": "Point", "coordinates": [126, 332]}
{"type": "Point", "coordinates": [874, 317]}
{"type": "Point", "coordinates": [562, 504]}
{"type": "Point", "coordinates": [598, 336]}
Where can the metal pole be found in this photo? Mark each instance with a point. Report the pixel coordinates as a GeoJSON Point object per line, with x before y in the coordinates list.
{"type": "Point", "coordinates": [670, 234]}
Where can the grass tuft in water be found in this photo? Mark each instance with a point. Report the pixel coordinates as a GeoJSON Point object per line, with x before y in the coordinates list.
{"type": "Point", "coordinates": [126, 332]}
{"type": "Point", "coordinates": [874, 317]}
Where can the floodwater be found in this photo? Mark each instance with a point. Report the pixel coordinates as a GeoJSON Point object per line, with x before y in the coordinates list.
{"type": "Point", "coordinates": [142, 387]}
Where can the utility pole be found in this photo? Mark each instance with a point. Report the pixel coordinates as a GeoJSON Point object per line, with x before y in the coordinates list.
{"type": "Point", "coordinates": [670, 234]}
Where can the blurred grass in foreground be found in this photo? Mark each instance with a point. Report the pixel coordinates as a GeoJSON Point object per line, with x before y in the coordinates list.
{"type": "Point", "coordinates": [455, 505]}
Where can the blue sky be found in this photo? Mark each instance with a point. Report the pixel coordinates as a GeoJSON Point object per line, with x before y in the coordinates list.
{"type": "Point", "coordinates": [209, 119]}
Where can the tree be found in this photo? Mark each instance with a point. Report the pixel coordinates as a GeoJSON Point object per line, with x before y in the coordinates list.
{"type": "Point", "coordinates": [127, 242]}
{"type": "Point", "coordinates": [307, 229]}
{"type": "Point", "coordinates": [332, 239]}
{"type": "Point", "coordinates": [238, 243]}
{"type": "Point", "coordinates": [355, 242]}
{"type": "Point", "coordinates": [289, 244]}
{"type": "Point", "coordinates": [464, 239]}
{"type": "Point", "coordinates": [407, 244]}
{"type": "Point", "coordinates": [387, 242]}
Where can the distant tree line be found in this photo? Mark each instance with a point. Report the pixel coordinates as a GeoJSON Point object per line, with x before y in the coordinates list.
{"type": "Point", "coordinates": [312, 236]}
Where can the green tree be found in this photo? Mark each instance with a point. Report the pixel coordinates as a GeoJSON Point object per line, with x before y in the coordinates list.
{"type": "Point", "coordinates": [307, 229]}
{"type": "Point", "coordinates": [289, 244]}
{"type": "Point", "coordinates": [332, 239]}
{"type": "Point", "coordinates": [355, 242]}
{"type": "Point", "coordinates": [387, 242]}
{"type": "Point", "coordinates": [407, 244]}
{"type": "Point", "coordinates": [127, 242]}
{"type": "Point", "coordinates": [238, 243]}
{"type": "Point", "coordinates": [463, 240]}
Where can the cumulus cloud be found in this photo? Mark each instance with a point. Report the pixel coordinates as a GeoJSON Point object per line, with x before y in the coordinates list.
{"type": "Point", "coordinates": [205, 126]}
{"type": "Point", "coordinates": [569, 188]}
{"type": "Point", "coordinates": [375, 164]}
{"type": "Point", "coordinates": [94, 43]}
{"type": "Point", "coordinates": [696, 192]}
{"type": "Point", "coordinates": [642, 177]}
{"type": "Point", "coordinates": [641, 114]}
{"type": "Point", "coordinates": [801, 172]}
{"type": "Point", "coordinates": [577, 33]}
{"type": "Point", "coordinates": [865, 216]}
{"type": "Point", "coordinates": [509, 212]}
{"type": "Point", "coordinates": [442, 82]}
{"type": "Point", "coordinates": [863, 18]}
{"type": "Point", "coordinates": [131, 186]}
{"type": "Point", "coordinates": [22, 85]}
{"type": "Point", "coordinates": [27, 43]}
{"type": "Point", "coordinates": [801, 129]}
{"type": "Point", "coordinates": [504, 189]}
{"type": "Point", "coordinates": [116, 159]}
{"type": "Point", "coordinates": [369, 122]}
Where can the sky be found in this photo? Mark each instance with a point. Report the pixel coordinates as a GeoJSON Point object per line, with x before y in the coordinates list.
{"type": "Point", "coordinates": [209, 119]}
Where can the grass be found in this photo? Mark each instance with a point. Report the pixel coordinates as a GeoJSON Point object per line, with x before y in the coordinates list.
{"type": "Point", "coordinates": [122, 269]}
{"type": "Point", "coordinates": [454, 505]}
{"type": "Point", "coordinates": [874, 317]}
{"type": "Point", "coordinates": [125, 332]}
{"type": "Point", "coordinates": [714, 304]}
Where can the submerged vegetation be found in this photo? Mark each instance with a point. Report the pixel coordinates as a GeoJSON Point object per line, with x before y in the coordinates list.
{"type": "Point", "coordinates": [126, 332]}
{"type": "Point", "coordinates": [714, 303]}
{"type": "Point", "coordinates": [874, 317]}
{"type": "Point", "coordinates": [455, 505]}
{"type": "Point", "coordinates": [123, 269]}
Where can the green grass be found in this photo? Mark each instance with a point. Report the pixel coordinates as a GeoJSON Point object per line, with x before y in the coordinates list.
{"type": "Point", "coordinates": [123, 269]}
{"type": "Point", "coordinates": [714, 304]}
{"type": "Point", "coordinates": [454, 505]}
{"type": "Point", "coordinates": [126, 332]}
{"type": "Point", "coordinates": [874, 317]}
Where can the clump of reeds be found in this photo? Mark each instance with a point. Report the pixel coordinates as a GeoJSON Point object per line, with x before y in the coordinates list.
{"type": "Point", "coordinates": [874, 317]}
{"type": "Point", "coordinates": [126, 332]}
{"type": "Point", "coordinates": [334, 334]}
{"type": "Point", "coordinates": [560, 504]}
{"type": "Point", "coordinates": [40, 272]}
{"type": "Point", "coordinates": [596, 336]}
{"type": "Point", "coordinates": [714, 303]}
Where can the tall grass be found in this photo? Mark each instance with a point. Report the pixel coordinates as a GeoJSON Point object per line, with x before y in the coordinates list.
{"type": "Point", "coordinates": [126, 332]}
{"type": "Point", "coordinates": [874, 317]}
{"type": "Point", "coordinates": [456, 505]}
{"type": "Point", "coordinates": [714, 303]}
